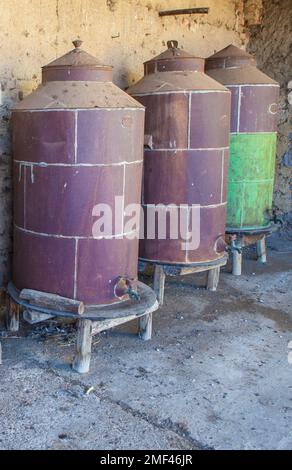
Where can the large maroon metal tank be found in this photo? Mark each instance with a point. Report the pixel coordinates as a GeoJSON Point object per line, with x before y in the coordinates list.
{"type": "Point", "coordinates": [187, 132]}
{"type": "Point", "coordinates": [77, 142]}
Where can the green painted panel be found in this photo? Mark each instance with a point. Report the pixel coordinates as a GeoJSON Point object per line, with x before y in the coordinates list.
{"type": "Point", "coordinates": [250, 179]}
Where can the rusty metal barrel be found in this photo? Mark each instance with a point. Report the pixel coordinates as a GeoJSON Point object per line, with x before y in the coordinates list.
{"type": "Point", "coordinates": [186, 153]}
{"type": "Point", "coordinates": [253, 138]}
{"type": "Point", "coordinates": [77, 143]}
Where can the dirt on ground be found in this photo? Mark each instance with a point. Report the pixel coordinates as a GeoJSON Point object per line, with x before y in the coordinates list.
{"type": "Point", "coordinates": [215, 375]}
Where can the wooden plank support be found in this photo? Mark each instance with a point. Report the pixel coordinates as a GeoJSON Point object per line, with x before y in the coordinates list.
{"type": "Point", "coordinates": [261, 250]}
{"type": "Point", "coordinates": [12, 315]}
{"type": "Point", "coordinates": [32, 317]}
{"type": "Point", "coordinates": [145, 327]}
{"type": "Point", "coordinates": [52, 301]}
{"type": "Point", "coordinates": [213, 279]}
{"type": "Point", "coordinates": [81, 361]}
{"type": "Point", "coordinates": [159, 283]}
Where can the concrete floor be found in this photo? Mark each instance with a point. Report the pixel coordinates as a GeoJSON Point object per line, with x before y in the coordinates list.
{"type": "Point", "coordinates": [216, 374]}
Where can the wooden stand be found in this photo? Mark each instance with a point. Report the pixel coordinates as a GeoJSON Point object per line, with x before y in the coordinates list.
{"type": "Point", "coordinates": [94, 320]}
{"type": "Point", "coordinates": [12, 314]}
{"type": "Point", "coordinates": [163, 270]}
{"type": "Point", "coordinates": [239, 240]}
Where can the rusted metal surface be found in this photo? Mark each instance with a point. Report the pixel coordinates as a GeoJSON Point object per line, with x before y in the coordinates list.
{"type": "Point", "coordinates": [254, 103]}
{"type": "Point", "coordinates": [173, 59]}
{"type": "Point", "coordinates": [76, 65]}
{"type": "Point", "coordinates": [186, 158]}
{"type": "Point", "coordinates": [78, 142]}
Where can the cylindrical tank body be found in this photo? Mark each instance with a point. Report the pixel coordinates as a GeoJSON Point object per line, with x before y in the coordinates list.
{"type": "Point", "coordinates": [77, 143]}
{"type": "Point", "coordinates": [186, 153]}
{"type": "Point", "coordinates": [253, 138]}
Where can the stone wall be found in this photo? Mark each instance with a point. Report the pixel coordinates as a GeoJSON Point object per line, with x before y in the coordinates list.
{"type": "Point", "coordinates": [271, 42]}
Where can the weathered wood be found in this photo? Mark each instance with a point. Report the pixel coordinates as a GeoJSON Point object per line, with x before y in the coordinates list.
{"type": "Point", "coordinates": [99, 326]}
{"type": "Point", "coordinates": [0, 354]}
{"type": "Point", "coordinates": [81, 361]}
{"type": "Point", "coordinates": [52, 301]}
{"type": "Point", "coordinates": [184, 11]}
{"type": "Point", "coordinates": [261, 250]}
{"type": "Point", "coordinates": [12, 315]}
{"type": "Point", "coordinates": [236, 262]}
{"type": "Point", "coordinates": [213, 279]}
{"type": "Point", "coordinates": [159, 283]}
{"type": "Point", "coordinates": [145, 327]}
{"type": "Point", "coordinates": [32, 317]}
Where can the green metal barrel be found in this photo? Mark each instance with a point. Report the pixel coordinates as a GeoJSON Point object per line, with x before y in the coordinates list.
{"type": "Point", "coordinates": [252, 140]}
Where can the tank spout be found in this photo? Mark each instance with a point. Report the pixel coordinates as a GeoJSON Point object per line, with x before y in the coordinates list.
{"type": "Point", "coordinates": [125, 286]}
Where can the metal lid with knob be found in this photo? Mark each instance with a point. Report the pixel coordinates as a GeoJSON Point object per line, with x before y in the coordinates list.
{"type": "Point", "coordinates": [76, 65]}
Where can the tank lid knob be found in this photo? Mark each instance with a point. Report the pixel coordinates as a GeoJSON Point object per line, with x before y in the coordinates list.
{"type": "Point", "coordinates": [172, 44]}
{"type": "Point", "coordinates": [77, 43]}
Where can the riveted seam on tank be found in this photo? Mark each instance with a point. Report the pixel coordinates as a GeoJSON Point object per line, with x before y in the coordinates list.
{"type": "Point", "coordinates": [242, 205]}
{"type": "Point", "coordinates": [76, 135]}
{"type": "Point", "coordinates": [186, 149]}
{"type": "Point", "coordinates": [70, 110]}
{"type": "Point", "coordinates": [124, 187]}
{"type": "Point", "coordinates": [187, 243]}
{"type": "Point", "coordinates": [24, 196]}
{"type": "Point", "coordinates": [267, 180]}
{"type": "Point", "coordinates": [252, 85]}
{"type": "Point", "coordinates": [177, 92]}
{"type": "Point", "coordinates": [208, 206]}
{"type": "Point", "coordinates": [74, 237]}
{"type": "Point", "coordinates": [254, 133]}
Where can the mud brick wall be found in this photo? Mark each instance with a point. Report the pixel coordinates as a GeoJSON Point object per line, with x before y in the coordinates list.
{"type": "Point", "coordinates": [123, 33]}
{"type": "Point", "coordinates": [271, 42]}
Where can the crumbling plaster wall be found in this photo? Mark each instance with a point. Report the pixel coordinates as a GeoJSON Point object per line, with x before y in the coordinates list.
{"type": "Point", "coordinates": [271, 42]}
{"type": "Point", "coordinates": [123, 33]}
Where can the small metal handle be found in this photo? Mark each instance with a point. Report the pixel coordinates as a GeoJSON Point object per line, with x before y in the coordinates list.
{"type": "Point", "coordinates": [235, 247]}
{"type": "Point", "coordinates": [172, 44]}
{"type": "Point", "coordinates": [77, 43]}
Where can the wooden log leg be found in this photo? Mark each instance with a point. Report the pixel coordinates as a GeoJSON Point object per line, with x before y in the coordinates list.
{"type": "Point", "coordinates": [236, 263]}
{"type": "Point", "coordinates": [261, 250]}
{"type": "Point", "coordinates": [81, 361]}
{"type": "Point", "coordinates": [12, 315]}
{"type": "Point", "coordinates": [159, 282]}
{"type": "Point", "coordinates": [213, 279]}
{"type": "Point", "coordinates": [32, 317]}
{"type": "Point", "coordinates": [145, 327]}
